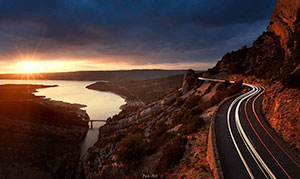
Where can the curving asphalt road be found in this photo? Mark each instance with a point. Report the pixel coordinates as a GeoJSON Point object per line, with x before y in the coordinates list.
{"type": "Point", "coordinates": [247, 147]}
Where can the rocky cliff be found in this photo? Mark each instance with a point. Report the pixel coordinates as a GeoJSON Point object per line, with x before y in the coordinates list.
{"type": "Point", "coordinates": [273, 61]}
{"type": "Point", "coordinates": [284, 20]}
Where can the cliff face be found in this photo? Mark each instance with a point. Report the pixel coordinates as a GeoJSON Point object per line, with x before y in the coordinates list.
{"type": "Point", "coordinates": [273, 61]}
{"type": "Point", "coordinates": [283, 22]}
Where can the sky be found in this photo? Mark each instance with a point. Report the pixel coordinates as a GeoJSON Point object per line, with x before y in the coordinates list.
{"type": "Point", "coordinates": [71, 35]}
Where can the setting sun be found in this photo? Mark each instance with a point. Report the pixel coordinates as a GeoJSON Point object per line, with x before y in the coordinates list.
{"type": "Point", "coordinates": [38, 66]}
{"type": "Point", "coordinates": [27, 67]}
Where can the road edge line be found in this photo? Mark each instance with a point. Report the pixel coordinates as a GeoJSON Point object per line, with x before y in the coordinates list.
{"type": "Point", "coordinates": [212, 146]}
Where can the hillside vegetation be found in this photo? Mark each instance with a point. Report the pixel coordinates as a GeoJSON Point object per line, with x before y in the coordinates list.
{"type": "Point", "coordinates": [166, 138]}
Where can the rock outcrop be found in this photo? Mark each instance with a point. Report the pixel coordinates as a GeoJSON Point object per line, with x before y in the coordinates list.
{"type": "Point", "coordinates": [284, 19]}
{"type": "Point", "coordinates": [273, 62]}
{"type": "Point", "coordinates": [189, 81]}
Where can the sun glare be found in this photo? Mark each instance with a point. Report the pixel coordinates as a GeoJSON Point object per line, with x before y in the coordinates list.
{"type": "Point", "coordinates": [28, 67]}
{"type": "Point", "coordinates": [45, 66]}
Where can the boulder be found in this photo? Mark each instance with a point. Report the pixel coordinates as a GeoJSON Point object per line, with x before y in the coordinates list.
{"type": "Point", "coordinates": [189, 81]}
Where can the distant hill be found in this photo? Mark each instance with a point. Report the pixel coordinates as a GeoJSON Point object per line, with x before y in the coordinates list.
{"type": "Point", "coordinates": [112, 76]}
{"type": "Point", "coordinates": [142, 90]}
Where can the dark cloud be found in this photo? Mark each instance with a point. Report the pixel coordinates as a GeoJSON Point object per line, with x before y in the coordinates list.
{"type": "Point", "coordinates": [152, 31]}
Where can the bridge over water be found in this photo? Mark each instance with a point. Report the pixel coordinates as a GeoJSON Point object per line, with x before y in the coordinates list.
{"type": "Point", "coordinates": [91, 121]}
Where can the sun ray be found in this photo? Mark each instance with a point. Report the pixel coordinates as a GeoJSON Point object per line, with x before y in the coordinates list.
{"type": "Point", "coordinates": [42, 76]}
{"type": "Point", "coordinates": [19, 52]}
{"type": "Point", "coordinates": [38, 45]}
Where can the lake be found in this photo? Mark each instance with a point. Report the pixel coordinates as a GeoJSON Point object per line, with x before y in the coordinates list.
{"type": "Point", "coordinates": [100, 105]}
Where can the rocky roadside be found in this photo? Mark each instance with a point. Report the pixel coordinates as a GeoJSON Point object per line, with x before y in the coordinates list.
{"type": "Point", "coordinates": [39, 138]}
{"type": "Point", "coordinates": [273, 61]}
{"type": "Point", "coordinates": [281, 109]}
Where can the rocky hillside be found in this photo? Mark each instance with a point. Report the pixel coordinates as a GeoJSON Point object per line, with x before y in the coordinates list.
{"type": "Point", "coordinates": [39, 138]}
{"type": "Point", "coordinates": [273, 61]}
{"type": "Point", "coordinates": [166, 138]}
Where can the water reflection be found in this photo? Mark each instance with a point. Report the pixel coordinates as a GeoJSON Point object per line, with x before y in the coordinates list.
{"type": "Point", "coordinates": [100, 105]}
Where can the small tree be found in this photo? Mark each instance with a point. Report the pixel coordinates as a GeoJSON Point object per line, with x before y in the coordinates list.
{"type": "Point", "coordinates": [172, 154]}
{"type": "Point", "coordinates": [132, 148]}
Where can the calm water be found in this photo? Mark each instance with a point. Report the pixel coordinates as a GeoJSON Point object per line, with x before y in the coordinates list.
{"type": "Point", "coordinates": [100, 105]}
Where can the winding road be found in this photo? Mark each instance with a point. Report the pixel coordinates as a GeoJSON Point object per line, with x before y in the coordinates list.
{"type": "Point", "coordinates": [247, 147]}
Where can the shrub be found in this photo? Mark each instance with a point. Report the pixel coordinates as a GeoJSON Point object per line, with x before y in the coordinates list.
{"type": "Point", "coordinates": [179, 102]}
{"type": "Point", "coordinates": [192, 101]}
{"type": "Point", "coordinates": [223, 86]}
{"type": "Point", "coordinates": [191, 113]}
{"type": "Point", "coordinates": [211, 71]}
{"type": "Point", "coordinates": [158, 137]}
{"type": "Point", "coordinates": [178, 116]}
{"type": "Point", "coordinates": [216, 99]}
{"type": "Point", "coordinates": [236, 68]}
{"type": "Point", "coordinates": [234, 88]}
{"type": "Point", "coordinates": [160, 128]}
{"type": "Point", "coordinates": [292, 80]}
{"type": "Point", "coordinates": [132, 148]}
{"type": "Point", "coordinates": [172, 154]}
{"type": "Point", "coordinates": [203, 105]}
{"type": "Point", "coordinates": [191, 121]}
{"type": "Point", "coordinates": [224, 90]}
{"type": "Point", "coordinates": [155, 144]}
{"type": "Point", "coordinates": [192, 125]}
{"type": "Point", "coordinates": [118, 137]}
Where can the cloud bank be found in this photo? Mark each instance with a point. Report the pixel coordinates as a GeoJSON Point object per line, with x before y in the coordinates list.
{"type": "Point", "coordinates": [132, 31]}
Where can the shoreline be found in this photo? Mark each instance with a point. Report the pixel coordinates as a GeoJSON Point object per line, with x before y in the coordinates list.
{"type": "Point", "coordinates": [130, 99]}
